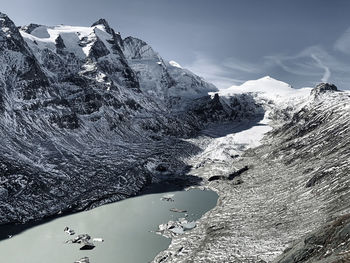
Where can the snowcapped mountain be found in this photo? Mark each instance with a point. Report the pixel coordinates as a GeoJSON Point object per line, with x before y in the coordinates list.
{"type": "Point", "coordinates": [97, 51]}
{"type": "Point", "coordinates": [278, 99]}
{"type": "Point", "coordinates": [267, 87]}
{"type": "Point", "coordinates": [167, 80]}
{"type": "Point", "coordinates": [85, 116]}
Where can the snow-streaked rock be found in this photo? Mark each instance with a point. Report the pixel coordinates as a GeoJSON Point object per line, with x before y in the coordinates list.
{"type": "Point", "coordinates": [297, 181]}
{"type": "Point", "coordinates": [173, 85]}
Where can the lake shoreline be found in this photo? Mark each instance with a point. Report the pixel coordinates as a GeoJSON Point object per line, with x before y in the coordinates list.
{"type": "Point", "coordinates": [167, 185]}
{"type": "Point", "coordinates": [125, 226]}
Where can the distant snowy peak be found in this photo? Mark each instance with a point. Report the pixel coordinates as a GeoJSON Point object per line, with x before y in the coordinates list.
{"type": "Point", "coordinates": [262, 85]}
{"type": "Point", "coordinates": [267, 87]}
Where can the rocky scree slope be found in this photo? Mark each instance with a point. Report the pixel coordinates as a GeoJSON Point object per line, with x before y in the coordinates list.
{"type": "Point", "coordinates": [291, 205]}
{"type": "Point", "coordinates": [86, 117]}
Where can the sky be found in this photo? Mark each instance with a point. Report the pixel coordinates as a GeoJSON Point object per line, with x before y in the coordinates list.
{"type": "Point", "coordinates": [301, 42]}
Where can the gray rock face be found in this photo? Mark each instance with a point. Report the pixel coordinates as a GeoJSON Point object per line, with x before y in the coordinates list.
{"type": "Point", "coordinates": [29, 28]}
{"type": "Point", "coordinates": [175, 87]}
{"type": "Point", "coordinates": [104, 23]}
{"type": "Point", "coordinates": [135, 48]}
{"type": "Point", "coordinates": [322, 88]}
{"type": "Point", "coordinates": [327, 244]}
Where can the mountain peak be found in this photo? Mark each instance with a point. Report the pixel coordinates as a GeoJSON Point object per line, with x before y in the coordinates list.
{"type": "Point", "coordinates": [5, 19]}
{"type": "Point", "coordinates": [2, 15]}
{"type": "Point", "coordinates": [266, 78]}
{"type": "Point", "coordinates": [323, 88]}
{"type": "Point", "coordinates": [104, 23]}
{"type": "Point", "coordinates": [268, 87]}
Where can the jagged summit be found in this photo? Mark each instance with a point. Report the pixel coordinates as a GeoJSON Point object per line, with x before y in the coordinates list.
{"type": "Point", "coordinates": [323, 88]}
{"type": "Point", "coordinates": [3, 15]}
{"type": "Point", "coordinates": [104, 23]}
{"type": "Point", "coordinates": [7, 26]}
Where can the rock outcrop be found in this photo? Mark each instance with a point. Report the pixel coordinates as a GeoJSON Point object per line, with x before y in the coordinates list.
{"type": "Point", "coordinates": [322, 88]}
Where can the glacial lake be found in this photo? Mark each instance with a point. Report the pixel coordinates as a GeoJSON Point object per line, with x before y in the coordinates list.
{"type": "Point", "coordinates": [127, 228]}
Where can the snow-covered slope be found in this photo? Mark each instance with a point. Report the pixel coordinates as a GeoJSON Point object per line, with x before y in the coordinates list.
{"type": "Point", "coordinates": [268, 87]}
{"type": "Point", "coordinates": [80, 46]}
{"type": "Point", "coordinates": [167, 80]}
{"type": "Point", "coordinates": [278, 99]}
{"type": "Point", "coordinates": [268, 90]}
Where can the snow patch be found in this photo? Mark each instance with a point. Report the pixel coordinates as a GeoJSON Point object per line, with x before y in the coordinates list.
{"type": "Point", "coordinates": [45, 37]}
{"type": "Point", "coordinates": [249, 135]}
{"type": "Point", "coordinates": [175, 64]}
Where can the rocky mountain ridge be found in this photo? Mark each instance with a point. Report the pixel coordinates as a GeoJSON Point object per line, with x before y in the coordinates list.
{"type": "Point", "coordinates": [87, 117]}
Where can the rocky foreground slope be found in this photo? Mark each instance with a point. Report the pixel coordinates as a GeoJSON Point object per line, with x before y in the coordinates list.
{"type": "Point", "coordinates": [292, 204]}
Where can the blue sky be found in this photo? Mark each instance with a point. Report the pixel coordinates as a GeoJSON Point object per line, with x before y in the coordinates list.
{"type": "Point", "coordinates": [301, 42]}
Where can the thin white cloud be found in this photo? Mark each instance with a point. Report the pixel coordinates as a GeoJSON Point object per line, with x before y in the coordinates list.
{"type": "Point", "coordinates": [292, 64]}
{"type": "Point", "coordinates": [242, 66]}
{"type": "Point", "coordinates": [327, 72]}
{"type": "Point", "coordinates": [214, 72]}
{"type": "Point", "coordinates": [312, 64]}
{"type": "Point", "coordinates": [343, 42]}
{"type": "Point", "coordinates": [307, 62]}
